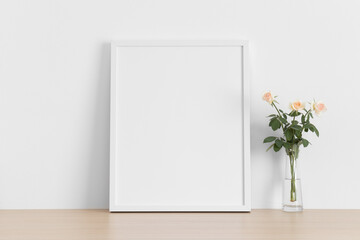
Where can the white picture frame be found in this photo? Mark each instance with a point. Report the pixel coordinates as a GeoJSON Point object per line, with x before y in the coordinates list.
{"type": "Point", "coordinates": [180, 126]}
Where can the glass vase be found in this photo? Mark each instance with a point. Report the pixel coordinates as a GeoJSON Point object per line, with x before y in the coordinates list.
{"type": "Point", "coordinates": [292, 195]}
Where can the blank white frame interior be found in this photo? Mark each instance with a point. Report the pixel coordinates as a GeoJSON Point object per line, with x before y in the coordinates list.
{"type": "Point", "coordinates": [180, 130]}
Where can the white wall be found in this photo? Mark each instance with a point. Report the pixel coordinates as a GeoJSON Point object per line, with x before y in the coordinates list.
{"type": "Point", "coordinates": [54, 90]}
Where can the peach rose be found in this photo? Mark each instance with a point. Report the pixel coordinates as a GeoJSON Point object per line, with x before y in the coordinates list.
{"type": "Point", "coordinates": [297, 106]}
{"type": "Point", "coordinates": [268, 97]}
{"type": "Point", "coordinates": [319, 107]}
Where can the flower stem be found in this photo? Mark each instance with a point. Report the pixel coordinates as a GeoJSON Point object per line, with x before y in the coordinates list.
{"type": "Point", "coordinates": [293, 178]}
{"type": "Point", "coordinates": [279, 114]}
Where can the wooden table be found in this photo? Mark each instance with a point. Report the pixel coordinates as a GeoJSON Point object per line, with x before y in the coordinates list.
{"type": "Point", "coordinates": [100, 224]}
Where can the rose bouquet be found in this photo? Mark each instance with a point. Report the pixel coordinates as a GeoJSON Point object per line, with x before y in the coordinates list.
{"type": "Point", "coordinates": [293, 124]}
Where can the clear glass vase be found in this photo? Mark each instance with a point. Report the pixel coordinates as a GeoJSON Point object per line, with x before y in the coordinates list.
{"type": "Point", "coordinates": [292, 195]}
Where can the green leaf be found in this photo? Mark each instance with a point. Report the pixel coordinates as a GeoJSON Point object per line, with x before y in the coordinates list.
{"type": "Point", "coordinates": [305, 142]}
{"type": "Point", "coordinates": [312, 128]}
{"type": "Point", "coordinates": [276, 148]}
{"type": "Point", "coordinates": [269, 139]}
{"type": "Point", "coordinates": [294, 113]}
{"type": "Point", "coordinates": [278, 143]}
{"type": "Point", "coordinates": [289, 134]}
{"type": "Point", "coordinates": [287, 145]}
{"type": "Point", "coordinates": [296, 127]}
{"type": "Point", "coordinates": [272, 119]}
{"type": "Point", "coordinates": [275, 124]}
{"type": "Point", "coordinates": [298, 134]}
{"type": "Point", "coordinates": [283, 120]}
{"type": "Point", "coordinates": [272, 115]}
{"type": "Point", "coordinates": [303, 119]}
{"type": "Point", "coordinates": [316, 131]}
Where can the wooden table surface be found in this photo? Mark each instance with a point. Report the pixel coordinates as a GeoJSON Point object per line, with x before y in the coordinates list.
{"type": "Point", "coordinates": [100, 224]}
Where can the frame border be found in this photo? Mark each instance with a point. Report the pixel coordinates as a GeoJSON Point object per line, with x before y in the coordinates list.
{"type": "Point", "coordinates": [246, 207]}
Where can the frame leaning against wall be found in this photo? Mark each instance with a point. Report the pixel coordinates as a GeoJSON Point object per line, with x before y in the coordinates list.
{"type": "Point", "coordinates": [132, 187]}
